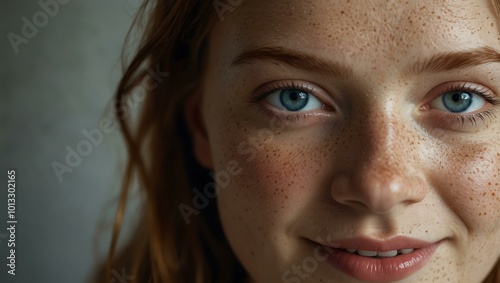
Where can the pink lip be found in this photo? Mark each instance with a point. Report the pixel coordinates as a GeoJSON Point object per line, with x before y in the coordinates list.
{"type": "Point", "coordinates": [380, 269]}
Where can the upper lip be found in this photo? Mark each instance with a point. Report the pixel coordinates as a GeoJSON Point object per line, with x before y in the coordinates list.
{"type": "Point", "coordinates": [370, 244]}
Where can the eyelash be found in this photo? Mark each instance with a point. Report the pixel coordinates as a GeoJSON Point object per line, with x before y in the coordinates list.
{"type": "Point", "coordinates": [276, 86]}
{"type": "Point", "coordinates": [461, 119]}
{"type": "Point", "coordinates": [452, 118]}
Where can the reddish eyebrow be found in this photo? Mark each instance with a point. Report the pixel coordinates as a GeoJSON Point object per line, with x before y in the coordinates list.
{"type": "Point", "coordinates": [295, 59]}
{"type": "Point", "coordinates": [453, 60]}
{"type": "Point", "coordinates": [438, 63]}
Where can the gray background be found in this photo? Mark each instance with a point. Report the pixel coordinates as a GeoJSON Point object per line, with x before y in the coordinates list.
{"type": "Point", "coordinates": [59, 83]}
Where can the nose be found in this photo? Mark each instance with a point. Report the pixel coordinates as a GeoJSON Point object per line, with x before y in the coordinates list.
{"type": "Point", "coordinates": [381, 169]}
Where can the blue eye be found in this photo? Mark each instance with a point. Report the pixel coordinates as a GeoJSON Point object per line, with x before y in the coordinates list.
{"type": "Point", "coordinates": [458, 101]}
{"type": "Point", "coordinates": [293, 100]}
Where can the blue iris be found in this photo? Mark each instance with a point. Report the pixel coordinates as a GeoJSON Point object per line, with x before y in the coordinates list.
{"type": "Point", "coordinates": [293, 99]}
{"type": "Point", "coordinates": [457, 101]}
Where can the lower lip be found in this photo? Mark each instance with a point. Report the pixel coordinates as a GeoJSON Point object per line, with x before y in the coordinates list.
{"type": "Point", "coordinates": [381, 269]}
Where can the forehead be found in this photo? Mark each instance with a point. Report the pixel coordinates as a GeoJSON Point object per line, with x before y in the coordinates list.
{"type": "Point", "coordinates": [379, 31]}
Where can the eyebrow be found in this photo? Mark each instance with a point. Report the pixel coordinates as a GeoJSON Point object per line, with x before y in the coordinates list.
{"type": "Point", "coordinates": [440, 62]}
{"type": "Point", "coordinates": [295, 59]}
{"type": "Point", "coordinates": [453, 60]}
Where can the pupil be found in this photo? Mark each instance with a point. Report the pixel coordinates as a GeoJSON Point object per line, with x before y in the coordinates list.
{"type": "Point", "coordinates": [294, 96]}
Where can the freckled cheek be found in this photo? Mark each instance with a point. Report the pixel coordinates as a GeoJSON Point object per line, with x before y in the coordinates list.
{"type": "Point", "coordinates": [275, 178]}
{"type": "Point", "coordinates": [471, 186]}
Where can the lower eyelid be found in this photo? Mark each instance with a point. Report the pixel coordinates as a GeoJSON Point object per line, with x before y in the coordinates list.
{"type": "Point", "coordinates": [302, 118]}
{"type": "Point", "coordinates": [461, 122]}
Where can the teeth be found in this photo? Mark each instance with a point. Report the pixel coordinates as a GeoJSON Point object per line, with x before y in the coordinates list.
{"type": "Point", "coordinates": [406, 251]}
{"type": "Point", "coordinates": [388, 253]}
{"type": "Point", "coordinates": [367, 253]}
{"type": "Point", "coordinates": [391, 253]}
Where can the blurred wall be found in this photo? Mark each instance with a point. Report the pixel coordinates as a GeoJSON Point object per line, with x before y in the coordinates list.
{"type": "Point", "coordinates": [57, 82]}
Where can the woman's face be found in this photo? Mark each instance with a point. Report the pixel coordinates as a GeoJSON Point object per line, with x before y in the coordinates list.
{"type": "Point", "coordinates": [337, 126]}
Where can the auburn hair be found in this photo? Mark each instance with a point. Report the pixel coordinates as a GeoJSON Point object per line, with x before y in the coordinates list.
{"type": "Point", "coordinates": [164, 248]}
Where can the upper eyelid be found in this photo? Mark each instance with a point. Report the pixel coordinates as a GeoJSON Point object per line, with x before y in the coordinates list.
{"type": "Point", "coordinates": [477, 89]}
{"type": "Point", "coordinates": [313, 89]}
{"type": "Point", "coordinates": [467, 86]}
{"type": "Point", "coordinates": [280, 85]}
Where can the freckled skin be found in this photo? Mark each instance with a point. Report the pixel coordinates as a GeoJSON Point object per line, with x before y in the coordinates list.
{"type": "Point", "coordinates": [378, 166]}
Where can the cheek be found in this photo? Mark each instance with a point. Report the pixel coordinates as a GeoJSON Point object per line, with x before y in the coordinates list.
{"type": "Point", "coordinates": [277, 175]}
{"type": "Point", "coordinates": [468, 180]}
{"type": "Point", "coordinates": [277, 167]}
{"type": "Point", "coordinates": [276, 183]}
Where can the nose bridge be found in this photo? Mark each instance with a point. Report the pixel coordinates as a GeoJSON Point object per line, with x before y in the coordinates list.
{"type": "Point", "coordinates": [381, 138]}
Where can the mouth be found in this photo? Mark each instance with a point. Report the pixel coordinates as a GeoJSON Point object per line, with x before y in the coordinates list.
{"type": "Point", "coordinates": [373, 260]}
